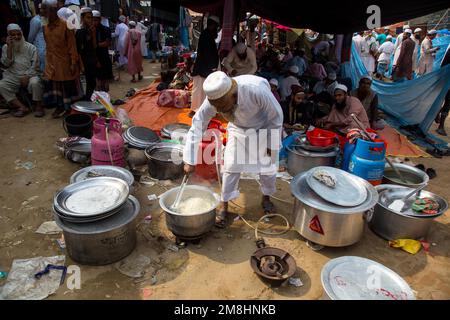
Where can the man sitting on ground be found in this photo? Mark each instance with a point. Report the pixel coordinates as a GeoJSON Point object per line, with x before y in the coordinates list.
{"type": "Point", "coordinates": [22, 71]}
{"type": "Point", "coordinates": [288, 82]}
{"type": "Point", "coordinates": [369, 100]}
{"type": "Point", "coordinates": [328, 84]}
{"type": "Point", "coordinates": [339, 119]}
{"type": "Point", "coordinates": [241, 60]}
{"type": "Point", "coordinates": [298, 111]}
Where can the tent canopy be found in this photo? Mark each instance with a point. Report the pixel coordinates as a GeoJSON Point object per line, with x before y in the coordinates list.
{"type": "Point", "coordinates": [342, 16]}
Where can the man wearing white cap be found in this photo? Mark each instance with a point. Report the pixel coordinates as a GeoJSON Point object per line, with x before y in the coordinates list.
{"type": "Point", "coordinates": [339, 119]}
{"type": "Point", "coordinates": [207, 61]}
{"type": "Point", "coordinates": [427, 53]}
{"type": "Point", "coordinates": [327, 85]}
{"type": "Point", "coordinates": [274, 87]}
{"type": "Point", "coordinates": [121, 34]}
{"type": "Point", "coordinates": [21, 60]}
{"type": "Point", "coordinates": [369, 100]}
{"type": "Point", "coordinates": [384, 59]}
{"type": "Point", "coordinates": [416, 37]}
{"type": "Point", "coordinates": [254, 133]}
{"type": "Point", "coordinates": [404, 67]}
{"type": "Point", "coordinates": [288, 81]}
{"type": "Point", "coordinates": [241, 60]}
{"type": "Point", "coordinates": [103, 41]}
{"type": "Point", "coordinates": [133, 52]}
{"type": "Point", "coordinates": [398, 44]}
{"type": "Point", "coordinates": [381, 38]}
{"type": "Point", "coordinates": [36, 36]}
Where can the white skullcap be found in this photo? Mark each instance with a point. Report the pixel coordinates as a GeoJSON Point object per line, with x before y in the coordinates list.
{"type": "Point", "coordinates": [405, 27]}
{"type": "Point", "coordinates": [216, 85]}
{"type": "Point", "coordinates": [85, 10]}
{"type": "Point", "coordinates": [367, 77]}
{"type": "Point", "coordinates": [132, 23]}
{"type": "Point", "coordinates": [122, 19]}
{"type": "Point", "coordinates": [389, 38]}
{"type": "Point", "coordinates": [294, 69]}
{"type": "Point", "coordinates": [65, 13]}
{"type": "Point", "coordinates": [240, 48]}
{"type": "Point", "coordinates": [386, 28]}
{"type": "Point", "coordinates": [341, 87]}
{"type": "Point", "coordinates": [408, 31]}
{"type": "Point", "coordinates": [332, 76]}
{"type": "Point", "coordinates": [13, 27]}
{"type": "Point", "coordinates": [96, 14]}
{"type": "Point", "coordinates": [417, 30]}
{"type": "Point", "coordinates": [274, 82]}
{"type": "Point", "coordinates": [214, 18]}
{"type": "Point", "coordinates": [50, 3]}
{"type": "Point", "coordinates": [432, 31]}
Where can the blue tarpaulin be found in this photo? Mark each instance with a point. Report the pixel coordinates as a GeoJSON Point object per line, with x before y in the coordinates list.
{"type": "Point", "coordinates": [412, 102]}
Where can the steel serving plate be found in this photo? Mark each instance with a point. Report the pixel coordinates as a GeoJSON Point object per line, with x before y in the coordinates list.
{"type": "Point", "coordinates": [356, 278]}
{"type": "Point", "coordinates": [88, 107]}
{"type": "Point", "coordinates": [60, 199]}
{"type": "Point", "coordinates": [81, 147]}
{"type": "Point", "coordinates": [103, 171]}
{"type": "Point", "coordinates": [169, 129]}
{"type": "Point", "coordinates": [348, 192]}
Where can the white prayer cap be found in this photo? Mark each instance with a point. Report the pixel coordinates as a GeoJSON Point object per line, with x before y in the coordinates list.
{"type": "Point", "coordinates": [50, 3]}
{"type": "Point", "coordinates": [132, 23]}
{"type": "Point", "coordinates": [216, 85]}
{"type": "Point", "coordinates": [389, 38]}
{"type": "Point", "coordinates": [386, 28]}
{"type": "Point", "coordinates": [294, 69]}
{"type": "Point", "coordinates": [408, 31]}
{"type": "Point", "coordinates": [122, 19]}
{"type": "Point", "coordinates": [86, 10]}
{"type": "Point", "coordinates": [274, 82]}
{"type": "Point", "coordinates": [240, 48]}
{"type": "Point", "coordinates": [214, 18]}
{"type": "Point", "coordinates": [341, 87]}
{"type": "Point", "coordinates": [417, 30]}
{"type": "Point", "coordinates": [96, 14]}
{"type": "Point", "coordinates": [332, 76]}
{"type": "Point", "coordinates": [432, 31]}
{"type": "Point", "coordinates": [367, 77]}
{"type": "Point", "coordinates": [13, 27]}
{"type": "Point", "coordinates": [405, 27]}
{"type": "Point", "coordinates": [64, 13]}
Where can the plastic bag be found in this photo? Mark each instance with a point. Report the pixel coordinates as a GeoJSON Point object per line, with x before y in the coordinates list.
{"type": "Point", "coordinates": [408, 245]}
{"type": "Point", "coordinates": [122, 116]}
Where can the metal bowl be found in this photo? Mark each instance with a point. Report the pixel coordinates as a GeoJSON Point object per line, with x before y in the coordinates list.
{"type": "Point", "coordinates": [165, 161]}
{"type": "Point", "coordinates": [416, 177]}
{"type": "Point", "coordinates": [61, 198]}
{"type": "Point", "coordinates": [103, 171]}
{"type": "Point", "coordinates": [193, 225]}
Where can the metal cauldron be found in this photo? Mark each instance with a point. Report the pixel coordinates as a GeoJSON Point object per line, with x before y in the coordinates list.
{"type": "Point", "coordinates": [165, 161]}
{"type": "Point", "coordinates": [189, 226]}
{"type": "Point", "coordinates": [300, 160]}
{"type": "Point", "coordinates": [415, 177]}
{"type": "Point", "coordinates": [392, 225]}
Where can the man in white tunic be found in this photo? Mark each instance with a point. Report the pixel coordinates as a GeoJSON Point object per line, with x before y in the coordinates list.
{"type": "Point", "coordinates": [143, 30]}
{"type": "Point", "coordinates": [427, 53]}
{"type": "Point", "coordinates": [254, 133]}
{"type": "Point", "coordinates": [384, 60]}
{"type": "Point", "coordinates": [398, 45]}
{"type": "Point", "coordinates": [21, 60]}
{"type": "Point", "coordinates": [121, 35]}
{"type": "Point", "coordinates": [241, 60]}
{"type": "Point", "coordinates": [287, 83]}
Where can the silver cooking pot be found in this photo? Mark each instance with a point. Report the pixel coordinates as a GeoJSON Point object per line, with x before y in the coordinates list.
{"type": "Point", "coordinates": [325, 223]}
{"type": "Point", "coordinates": [300, 160]}
{"type": "Point", "coordinates": [194, 225]}
{"type": "Point", "coordinates": [413, 175]}
{"type": "Point", "coordinates": [165, 161]}
{"type": "Point", "coordinates": [392, 225]}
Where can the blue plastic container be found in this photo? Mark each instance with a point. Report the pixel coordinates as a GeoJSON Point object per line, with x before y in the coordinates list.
{"type": "Point", "coordinates": [349, 148]}
{"type": "Point", "coordinates": [368, 161]}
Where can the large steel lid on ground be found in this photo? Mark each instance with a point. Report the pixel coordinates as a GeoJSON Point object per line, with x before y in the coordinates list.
{"type": "Point", "coordinates": [88, 107]}
{"type": "Point", "coordinates": [301, 190]}
{"type": "Point", "coordinates": [103, 171]}
{"type": "Point", "coordinates": [356, 278]}
{"type": "Point", "coordinates": [169, 129]}
{"type": "Point", "coordinates": [140, 137]}
{"type": "Point", "coordinates": [349, 191]}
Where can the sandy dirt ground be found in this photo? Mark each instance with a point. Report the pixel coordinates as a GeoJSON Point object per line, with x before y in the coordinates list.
{"type": "Point", "coordinates": [216, 268]}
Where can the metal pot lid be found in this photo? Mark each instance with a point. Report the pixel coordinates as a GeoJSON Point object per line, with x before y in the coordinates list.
{"type": "Point", "coordinates": [170, 128]}
{"type": "Point", "coordinates": [88, 107]}
{"type": "Point", "coordinates": [390, 193]}
{"type": "Point", "coordinates": [348, 192]}
{"type": "Point", "coordinates": [142, 135]}
{"type": "Point", "coordinates": [301, 190]}
{"type": "Point", "coordinates": [82, 147]}
{"type": "Point", "coordinates": [127, 213]}
{"type": "Point", "coordinates": [313, 154]}
{"type": "Point", "coordinates": [356, 278]}
{"type": "Point", "coordinates": [103, 171]}
{"type": "Point", "coordinates": [92, 197]}
{"type": "Point", "coordinates": [303, 143]}
{"type": "Point", "coordinates": [166, 152]}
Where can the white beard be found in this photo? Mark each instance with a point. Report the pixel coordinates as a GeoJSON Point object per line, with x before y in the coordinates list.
{"type": "Point", "coordinates": [18, 46]}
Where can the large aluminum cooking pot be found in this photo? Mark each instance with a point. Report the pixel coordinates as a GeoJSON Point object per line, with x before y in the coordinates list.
{"type": "Point", "coordinates": [325, 223]}
{"type": "Point", "coordinates": [300, 160]}
{"type": "Point", "coordinates": [105, 241]}
{"type": "Point", "coordinates": [165, 161]}
{"type": "Point", "coordinates": [413, 175]}
{"type": "Point", "coordinates": [194, 225]}
{"type": "Point", "coordinates": [392, 225]}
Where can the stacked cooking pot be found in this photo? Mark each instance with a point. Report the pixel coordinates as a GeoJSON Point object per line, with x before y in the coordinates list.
{"type": "Point", "coordinates": [140, 137]}
{"type": "Point", "coordinates": [303, 155]}
{"type": "Point", "coordinates": [331, 216]}
{"type": "Point", "coordinates": [97, 216]}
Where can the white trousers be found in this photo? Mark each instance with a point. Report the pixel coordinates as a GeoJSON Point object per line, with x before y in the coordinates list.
{"type": "Point", "coordinates": [198, 95]}
{"type": "Point", "coordinates": [230, 184]}
{"type": "Point", "coordinates": [10, 85]}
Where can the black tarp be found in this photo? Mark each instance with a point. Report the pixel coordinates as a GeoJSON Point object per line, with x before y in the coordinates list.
{"type": "Point", "coordinates": [340, 16]}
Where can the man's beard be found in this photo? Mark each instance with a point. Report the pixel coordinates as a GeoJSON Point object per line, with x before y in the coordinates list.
{"type": "Point", "coordinates": [340, 105]}
{"type": "Point", "coordinates": [18, 46]}
{"type": "Point", "coordinates": [229, 115]}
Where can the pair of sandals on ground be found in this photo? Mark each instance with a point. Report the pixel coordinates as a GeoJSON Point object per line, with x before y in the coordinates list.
{"type": "Point", "coordinates": [22, 112]}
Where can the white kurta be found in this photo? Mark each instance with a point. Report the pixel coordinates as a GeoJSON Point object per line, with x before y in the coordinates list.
{"type": "Point", "coordinates": [143, 29]}
{"type": "Point", "coordinates": [286, 85]}
{"type": "Point", "coordinates": [247, 142]}
{"type": "Point", "coordinates": [366, 56]}
{"type": "Point", "coordinates": [121, 34]}
{"type": "Point", "coordinates": [427, 56]}
{"type": "Point", "coordinates": [397, 46]}
{"type": "Point", "coordinates": [386, 50]}
{"type": "Point", "coordinates": [357, 41]}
